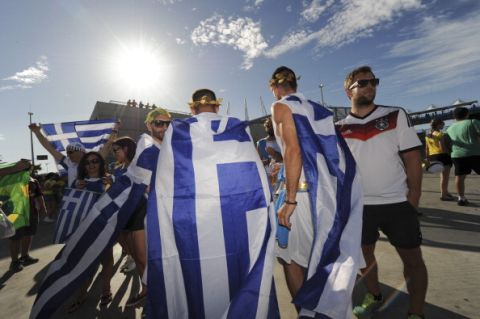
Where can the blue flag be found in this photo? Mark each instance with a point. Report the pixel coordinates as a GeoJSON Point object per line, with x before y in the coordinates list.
{"type": "Point", "coordinates": [96, 233]}
{"type": "Point", "coordinates": [210, 225]}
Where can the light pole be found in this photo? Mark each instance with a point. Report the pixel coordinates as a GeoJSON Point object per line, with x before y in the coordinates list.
{"type": "Point", "coordinates": [31, 140]}
{"type": "Point", "coordinates": [321, 92]}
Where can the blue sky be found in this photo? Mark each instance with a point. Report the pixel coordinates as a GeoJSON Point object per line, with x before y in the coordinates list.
{"type": "Point", "coordinates": [59, 57]}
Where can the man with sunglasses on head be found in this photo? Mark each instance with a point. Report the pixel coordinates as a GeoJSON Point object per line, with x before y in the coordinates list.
{"type": "Point", "coordinates": [75, 151]}
{"type": "Point", "coordinates": [387, 150]}
{"type": "Point", "coordinates": [157, 123]}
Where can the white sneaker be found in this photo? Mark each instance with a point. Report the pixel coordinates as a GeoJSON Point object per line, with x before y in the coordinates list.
{"type": "Point", "coordinates": [129, 265]}
{"type": "Point", "coordinates": [49, 220]}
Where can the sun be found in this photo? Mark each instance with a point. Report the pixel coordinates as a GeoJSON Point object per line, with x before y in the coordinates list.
{"type": "Point", "coordinates": [139, 68]}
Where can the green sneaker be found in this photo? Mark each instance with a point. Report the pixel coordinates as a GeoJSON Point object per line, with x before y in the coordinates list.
{"type": "Point", "coordinates": [369, 306]}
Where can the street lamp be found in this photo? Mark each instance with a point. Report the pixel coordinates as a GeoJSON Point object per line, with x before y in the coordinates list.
{"type": "Point", "coordinates": [31, 140]}
{"type": "Point", "coordinates": [321, 92]}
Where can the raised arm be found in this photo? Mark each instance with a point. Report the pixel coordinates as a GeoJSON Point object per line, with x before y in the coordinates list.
{"type": "Point", "coordinates": [45, 143]}
{"type": "Point", "coordinates": [107, 146]}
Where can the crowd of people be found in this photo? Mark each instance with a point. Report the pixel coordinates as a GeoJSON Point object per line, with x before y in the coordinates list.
{"type": "Point", "coordinates": [373, 167]}
{"type": "Point", "coordinates": [141, 105]}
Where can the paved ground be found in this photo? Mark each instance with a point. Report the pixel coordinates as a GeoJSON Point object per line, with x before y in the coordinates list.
{"type": "Point", "coordinates": [451, 251]}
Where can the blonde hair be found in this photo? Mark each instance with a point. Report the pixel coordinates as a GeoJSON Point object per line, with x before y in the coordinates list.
{"type": "Point", "coordinates": [154, 113]}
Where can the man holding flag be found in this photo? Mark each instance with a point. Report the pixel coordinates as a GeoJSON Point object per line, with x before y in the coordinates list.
{"type": "Point", "coordinates": [210, 226]}
{"type": "Point", "coordinates": [24, 204]}
{"type": "Point", "coordinates": [322, 205]}
{"type": "Point", "coordinates": [82, 136]}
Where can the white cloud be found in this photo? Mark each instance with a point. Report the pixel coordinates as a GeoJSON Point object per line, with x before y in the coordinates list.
{"type": "Point", "coordinates": [313, 11]}
{"type": "Point", "coordinates": [356, 19]}
{"type": "Point", "coordinates": [288, 8]}
{"type": "Point", "coordinates": [26, 78]}
{"type": "Point", "coordinates": [242, 34]}
{"type": "Point", "coordinates": [179, 41]}
{"type": "Point", "coordinates": [258, 3]}
{"type": "Point", "coordinates": [2, 137]}
{"type": "Point", "coordinates": [441, 54]}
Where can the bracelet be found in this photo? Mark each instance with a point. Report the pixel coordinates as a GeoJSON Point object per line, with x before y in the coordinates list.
{"type": "Point", "coordinates": [290, 203]}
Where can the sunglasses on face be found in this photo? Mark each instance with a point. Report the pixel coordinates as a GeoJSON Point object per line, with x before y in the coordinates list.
{"type": "Point", "coordinates": [93, 162]}
{"type": "Point", "coordinates": [363, 83]}
{"type": "Point", "coordinates": [160, 123]}
{"type": "Point", "coordinates": [115, 149]}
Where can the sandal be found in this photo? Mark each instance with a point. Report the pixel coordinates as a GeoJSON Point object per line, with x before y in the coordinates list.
{"type": "Point", "coordinates": [76, 305]}
{"type": "Point", "coordinates": [105, 299]}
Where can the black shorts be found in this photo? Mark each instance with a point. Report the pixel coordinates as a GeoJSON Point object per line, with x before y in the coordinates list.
{"type": "Point", "coordinates": [29, 230]}
{"type": "Point", "coordinates": [399, 222]}
{"type": "Point", "coordinates": [444, 158]}
{"type": "Point", "coordinates": [465, 165]}
{"type": "Point", "coordinates": [137, 220]}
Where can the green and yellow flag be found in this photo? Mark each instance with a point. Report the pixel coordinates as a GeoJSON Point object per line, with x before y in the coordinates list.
{"type": "Point", "coordinates": [14, 195]}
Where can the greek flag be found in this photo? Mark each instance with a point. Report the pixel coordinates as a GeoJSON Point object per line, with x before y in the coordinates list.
{"type": "Point", "coordinates": [76, 203]}
{"type": "Point", "coordinates": [336, 203]}
{"type": "Point", "coordinates": [91, 134]}
{"type": "Point", "coordinates": [210, 225]}
{"type": "Point", "coordinates": [96, 233]}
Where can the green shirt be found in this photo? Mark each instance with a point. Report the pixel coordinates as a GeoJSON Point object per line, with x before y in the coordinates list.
{"type": "Point", "coordinates": [465, 136]}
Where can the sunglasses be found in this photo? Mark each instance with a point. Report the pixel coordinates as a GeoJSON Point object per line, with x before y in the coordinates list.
{"type": "Point", "coordinates": [93, 161]}
{"type": "Point", "coordinates": [115, 149]}
{"type": "Point", "coordinates": [363, 83]}
{"type": "Point", "coordinates": [160, 123]}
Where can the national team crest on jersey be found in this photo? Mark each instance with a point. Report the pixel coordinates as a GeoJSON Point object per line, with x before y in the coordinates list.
{"type": "Point", "coordinates": [381, 124]}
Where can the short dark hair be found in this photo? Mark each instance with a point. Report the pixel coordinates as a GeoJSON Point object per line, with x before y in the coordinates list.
{"type": "Point", "coordinates": [460, 113]}
{"type": "Point", "coordinates": [198, 94]}
{"type": "Point", "coordinates": [129, 143]}
{"type": "Point", "coordinates": [82, 166]}
{"type": "Point", "coordinates": [285, 77]}
{"type": "Point", "coordinates": [436, 122]}
{"type": "Point", "coordinates": [350, 76]}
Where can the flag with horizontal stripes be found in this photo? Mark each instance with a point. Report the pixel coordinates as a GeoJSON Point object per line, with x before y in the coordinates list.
{"type": "Point", "coordinates": [210, 225]}
{"type": "Point", "coordinates": [96, 234]}
{"type": "Point", "coordinates": [76, 203]}
{"type": "Point", "coordinates": [14, 195]}
{"type": "Point", "coordinates": [336, 202]}
{"type": "Point", "coordinates": [92, 134]}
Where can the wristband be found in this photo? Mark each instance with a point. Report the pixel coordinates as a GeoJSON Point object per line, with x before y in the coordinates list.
{"type": "Point", "coordinates": [290, 203]}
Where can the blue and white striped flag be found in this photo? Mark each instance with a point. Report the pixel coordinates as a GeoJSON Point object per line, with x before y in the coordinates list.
{"type": "Point", "coordinates": [96, 234]}
{"type": "Point", "coordinates": [210, 226]}
{"type": "Point", "coordinates": [91, 134]}
{"type": "Point", "coordinates": [76, 203]}
{"type": "Point", "coordinates": [337, 204]}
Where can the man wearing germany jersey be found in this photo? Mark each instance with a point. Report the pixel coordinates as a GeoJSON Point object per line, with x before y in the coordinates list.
{"type": "Point", "coordinates": [387, 151]}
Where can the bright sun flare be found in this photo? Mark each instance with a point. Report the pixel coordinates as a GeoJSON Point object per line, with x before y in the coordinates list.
{"type": "Point", "coordinates": [140, 68]}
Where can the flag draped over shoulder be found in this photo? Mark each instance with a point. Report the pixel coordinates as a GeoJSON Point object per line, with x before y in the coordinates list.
{"type": "Point", "coordinates": [91, 134]}
{"type": "Point", "coordinates": [97, 233]}
{"type": "Point", "coordinates": [76, 204]}
{"type": "Point", "coordinates": [14, 195]}
{"type": "Point", "coordinates": [336, 202]}
{"type": "Point", "coordinates": [210, 225]}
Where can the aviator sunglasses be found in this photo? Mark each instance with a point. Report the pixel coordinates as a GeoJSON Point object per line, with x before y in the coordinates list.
{"type": "Point", "coordinates": [160, 123]}
{"type": "Point", "coordinates": [363, 83]}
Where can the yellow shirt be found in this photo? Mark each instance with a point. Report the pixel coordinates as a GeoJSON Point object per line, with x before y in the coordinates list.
{"type": "Point", "coordinates": [434, 144]}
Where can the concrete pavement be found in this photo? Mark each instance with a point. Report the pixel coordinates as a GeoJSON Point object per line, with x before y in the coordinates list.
{"type": "Point", "coordinates": [451, 251]}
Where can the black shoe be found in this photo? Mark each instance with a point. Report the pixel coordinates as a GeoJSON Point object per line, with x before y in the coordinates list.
{"type": "Point", "coordinates": [462, 202]}
{"type": "Point", "coordinates": [16, 266]}
{"type": "Point", "coordinates": [28, 260]}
